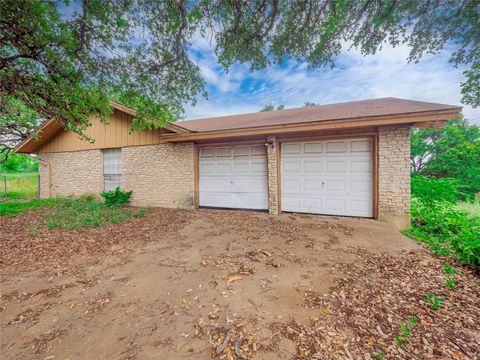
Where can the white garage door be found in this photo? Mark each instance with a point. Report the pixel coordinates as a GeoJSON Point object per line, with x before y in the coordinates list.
{"type": "Point", "coordinates": [327, 177]}
{"type": "Point", "coordinates": [233, 177]}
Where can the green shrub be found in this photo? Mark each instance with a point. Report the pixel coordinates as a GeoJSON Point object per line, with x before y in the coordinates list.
{"type": "Point", "coordinates": [446, 230]}
{"type": "Point", "coordinates": [116, 197]}
{"type": "Point", "coordinates": [429, 189]}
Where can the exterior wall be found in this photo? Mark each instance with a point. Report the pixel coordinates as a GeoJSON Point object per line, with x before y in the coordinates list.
{"type": "Point", "coordinates": [159, 175]}
{"type": "Point", "coordinates": [273, 201]}
{"type": "Point", "coordinates": [163, 174]}
{"type": "Point", "coordinates": [394, 175]}
{"type": "Point", "coordinates": [71, 173]}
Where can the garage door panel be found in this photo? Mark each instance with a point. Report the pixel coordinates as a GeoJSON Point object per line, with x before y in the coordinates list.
{"type": "Point", "coordinates": [208, 183]}
{"type": "Point", "coordinates": [258, 151]}
{"type": "Point", "coordinates": [241, 184]}
{"type": "Point", "coordinates": [223, 168]}
{"type": "Point", "coordinates": [224, 152]}
{"type": "Point", "coordinates": [292, 165]}
{"type": "Point", "coordinates": [361, 186]}
{"type": "Point", "coordinates": [291, 148]}
{"type": "Point", "coordinates": [292, 185]}
{"type": "Point", "coordinates": [213, 199]}
{"type": "Point", "coordinates": [291, 203]}
{"type": "Point", "coordinates": [207, 153]}
{"type": "Point", "coordinates": [360, 146]}
{"type": "Point", "coordinates": [336, 179]}
{"type": "Point", "coordinates": [313, 148]}
{"type": "Point", "coordinates": [336, 185]}
{"type": "Point", "coordinates": [312, 204]}
{"type": "Point", "coordinates": [335, 204]}
{"type": "Point", "coordinates": [234, 177]}
{"type": "Point", "coordinates": [241, 168]}
{"type": "Point", "coordinates": [258, 166]}
{"type": "Point", "coordinates": [336, 166]}
{"type": "Point", "coordinates": [222, 184]}
{"type": "Point", "coordinates": [207, 168]}
{"type": "Point", "coordinates": [312, 166]}
{"type": "Point", "coordinates": [336, 146]}
{"type": "Point", "coordinates": [241, 151]}
{"type": "Point", "coordinates": [312, 185]}
{"type": "Point", "coordinates": [359, 206]}
{"type": "Point", "coordinates": [258, 184]}
{"type": "Point", "coordinates": [361, 165]}
{"type": "Point", "coordinates": [257, 202]}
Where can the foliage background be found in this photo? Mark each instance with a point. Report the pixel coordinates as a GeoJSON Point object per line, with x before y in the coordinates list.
{"type": "Point", "coordinates": [446, 190]}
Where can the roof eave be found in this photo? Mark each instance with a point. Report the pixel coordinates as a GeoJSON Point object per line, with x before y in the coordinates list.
{"type": "Point", "coordinates": [411, 119]}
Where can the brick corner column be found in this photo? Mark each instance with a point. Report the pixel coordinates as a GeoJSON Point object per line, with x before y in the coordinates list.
{"type": "Point", "coordinates": [273, 203]}
{"type": "Point", "coordinates": [394, 176]}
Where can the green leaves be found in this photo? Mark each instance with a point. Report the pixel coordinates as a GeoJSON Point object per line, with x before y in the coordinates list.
{"type": "Point", "coordinates": [405, 330]}
{"type": "Point", "coordinates": [430, 189]}
{"type": "Point", "coordinates": [66, 67]}
{"type": "Point", "coordinates": [64, 60]}
{"type": "Point", "coordinates": [446, 230]}
{"type": "Point", "coordinates": [452, 152]}
{"type": "Point", "coordinates": [433, 301]}
{"type": "Point", "coordinates": [116, 197]}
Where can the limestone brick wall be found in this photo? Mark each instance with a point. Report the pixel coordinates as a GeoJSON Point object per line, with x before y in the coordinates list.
{"type": "Point", "coordinates": [72, 173]}
{"type": "Point", "coordinates": [159, 175]}
{"type": "Point", "coordinates": [394, 175]}
{"type": "Point", "coordinates": [273, 203]}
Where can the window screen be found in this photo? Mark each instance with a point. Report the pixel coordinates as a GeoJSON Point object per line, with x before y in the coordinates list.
{"type": "Point", "coordinates": [112, 168]}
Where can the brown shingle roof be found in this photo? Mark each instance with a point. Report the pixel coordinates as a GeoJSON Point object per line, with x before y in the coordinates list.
{"type": "Point", "coordinates": [347, 110]}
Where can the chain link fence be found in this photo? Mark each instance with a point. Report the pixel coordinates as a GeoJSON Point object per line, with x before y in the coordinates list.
{"type": "Point", "coordinates": [20, 186]}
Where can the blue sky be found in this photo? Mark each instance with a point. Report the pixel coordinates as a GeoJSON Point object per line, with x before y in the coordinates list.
{"type": "Point", "coordinates": [355, 77]}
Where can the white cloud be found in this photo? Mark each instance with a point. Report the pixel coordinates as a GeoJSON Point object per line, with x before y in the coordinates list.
{"type": "Point", "coordinates": [356, 77]}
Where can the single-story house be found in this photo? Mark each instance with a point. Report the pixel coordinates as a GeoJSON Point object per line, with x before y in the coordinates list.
{"type": "Point", "coordinates": [346, 159]}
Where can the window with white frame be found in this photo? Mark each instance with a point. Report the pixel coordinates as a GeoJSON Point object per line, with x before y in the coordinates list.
{"type": "Point", "coordinates": [112, 168]}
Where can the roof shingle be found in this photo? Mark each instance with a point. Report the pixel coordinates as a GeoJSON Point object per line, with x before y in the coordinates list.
{"type": "Point", "coordinates": [340, 111]}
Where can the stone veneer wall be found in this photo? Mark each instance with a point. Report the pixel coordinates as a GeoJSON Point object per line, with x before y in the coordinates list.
{"type": "Point", "coordinates": [163, 174]}
{"type": "Point", "coordinates": [273, 201]}
{"type": "Point", "coordinates": [72, 173]}
{"type": "Point", "coordinates": [394, 175]}
{"type": "Point", "coordinates": [159, 175]}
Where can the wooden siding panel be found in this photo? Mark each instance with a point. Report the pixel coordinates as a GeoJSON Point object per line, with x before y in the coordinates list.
{"type": "Point", "coordinates": [114, 135]}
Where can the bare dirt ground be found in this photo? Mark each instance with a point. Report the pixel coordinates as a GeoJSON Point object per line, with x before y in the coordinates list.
{"type": "Point", "coordinates": [228, 284]}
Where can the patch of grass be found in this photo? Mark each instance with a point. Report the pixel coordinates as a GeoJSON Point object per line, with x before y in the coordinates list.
{"type": "Point", "coordinates": [405, 330]}
{"type": "Point", "coordinates": [380, 355]}
{"type": "Point", "coordinates": [433, 301]}
{"type": "Point", "coordinates": [19, 185]}
{"type": "Point", "coordinates": [140, 213]}
{"type": "Point", "coordinates": [72, 213]}
{"type": "Point", "coordinates": [117, 217]}
{"type": "Point", "coordinates": [450, 283]}
{"type": "Point", "coordinates": [449, 270]}
{"type": "Point", "coordinates": [83, 213]}
{"type": "Point", "coordinates": [19, 207]}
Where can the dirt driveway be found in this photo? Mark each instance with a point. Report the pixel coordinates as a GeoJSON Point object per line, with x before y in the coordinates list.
{"type": "Point", "coordinates": [228, 284]}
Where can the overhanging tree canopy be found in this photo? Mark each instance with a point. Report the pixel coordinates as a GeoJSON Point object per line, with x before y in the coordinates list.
{"type": "Point", "coordinates": [63, 60]}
